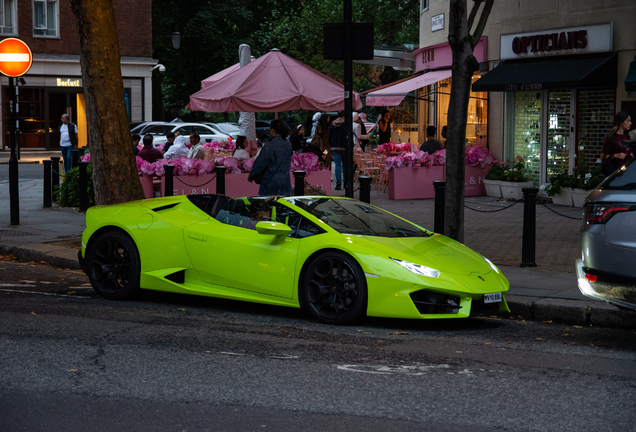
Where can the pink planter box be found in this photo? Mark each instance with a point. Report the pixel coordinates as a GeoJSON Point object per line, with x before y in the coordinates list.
{"type": "Point", "coordinates": [474, 180]}
{"type": "Point", "coordinates": [414, 183]}
{"type": "Point", "coordinates": [236, 185]}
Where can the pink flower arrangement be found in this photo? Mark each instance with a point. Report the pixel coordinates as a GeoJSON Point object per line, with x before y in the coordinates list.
{"type": "Point", "coordinates": [393, 148]}
{"type": "Point", "coordinates": [86, 158]}
{"type": "Point", "coordinates": [479, 156]}
{"type": "Point", "coordinates": [415, 159]}
{"type": "Point", "coordinates": [228, 145]}
{"type": "Point", "coordinates": [231, 163]}
{"type": "Point", "coordinates": [305, 161]}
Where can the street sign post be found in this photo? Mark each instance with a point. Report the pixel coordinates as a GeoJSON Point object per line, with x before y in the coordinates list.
{"type": "Point", "coordinates": [15, 60]}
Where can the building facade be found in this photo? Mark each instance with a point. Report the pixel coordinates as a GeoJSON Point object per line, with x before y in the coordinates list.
{"type": "Point", "coordinates": [53, 85]}
{"type": "Point", "coordinates": [553, 78]}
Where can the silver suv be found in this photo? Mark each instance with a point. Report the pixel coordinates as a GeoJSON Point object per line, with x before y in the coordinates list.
{"type": "Point", "coordinates": [607, 268]}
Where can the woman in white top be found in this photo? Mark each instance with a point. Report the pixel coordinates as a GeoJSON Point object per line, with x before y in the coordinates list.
{"type": "Point", "coordinates": [356, 132]}
{"type": "Point", "coordinates": [240, 152]}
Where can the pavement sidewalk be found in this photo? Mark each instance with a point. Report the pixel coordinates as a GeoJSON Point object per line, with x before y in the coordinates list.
{"type": "Point", "coordinates": [547, 292]}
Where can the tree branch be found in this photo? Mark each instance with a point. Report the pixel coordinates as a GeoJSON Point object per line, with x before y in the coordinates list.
{"type": "Point", "coordinates": [482, 22]}
{"type": "Point", "coordinates": [473, 13]}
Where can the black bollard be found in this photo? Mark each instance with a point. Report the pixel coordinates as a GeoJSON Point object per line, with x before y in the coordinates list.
{"type": "Point", "coordinates": [299, 183]}
{"type": "Point", "coordinates": [55, 176]}
{"type": "Point", "coordinates": [365, 189]}
{"type": "Point", "coordinates": [440, 196]}
{"type": "Point", "coordinates": [48, 199]}
{"type": "Point", "coordinates": [75, 155]}
{"type": "Point", "coordinates": [529, 227]}
{"type": "Point", "coordinates": [168, 185]}
{"type": "Point", "coordinates": [220, 179]}
{"type": "Point", "coordinates": [83, 187]}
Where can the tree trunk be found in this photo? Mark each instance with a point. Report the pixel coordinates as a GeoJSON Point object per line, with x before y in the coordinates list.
{"type": "Point", "coordinates": [464, 64]}
{"type": "Point", "coordinates": [115, 174]}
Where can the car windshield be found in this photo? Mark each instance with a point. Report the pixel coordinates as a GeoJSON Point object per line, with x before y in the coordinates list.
{"type": "Point", "coordinates": [158, 129]}
{"type": "Point", "coordinates": [355, 217]}
{"type": "Point", "coordinates": [624, 178]}
{"type": "Point", "coordinates": [226, 128]}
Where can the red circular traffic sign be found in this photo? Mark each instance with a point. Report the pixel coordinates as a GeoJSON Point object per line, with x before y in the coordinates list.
{"type": "Point", "coordinates": [15, 57]}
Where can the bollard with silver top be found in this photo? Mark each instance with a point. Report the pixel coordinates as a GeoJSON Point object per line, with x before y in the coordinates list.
{"type": "Point", "coordinates": [220, 179]}
{"type": "Point", "coordinates": [529, 227]}
{"type": "Point", "coordinates": [299, 182]}
{"type": "Point", "coordinates": [365, 189]}
{"type": "Point", "coordinates": [168, 184]}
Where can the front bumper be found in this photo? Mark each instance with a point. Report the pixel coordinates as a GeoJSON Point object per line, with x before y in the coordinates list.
{"type": "Point", "coordinates": [619, 292]}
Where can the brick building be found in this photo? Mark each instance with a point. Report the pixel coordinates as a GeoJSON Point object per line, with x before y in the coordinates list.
{"type": "Point", "coordinates": [53, 85]}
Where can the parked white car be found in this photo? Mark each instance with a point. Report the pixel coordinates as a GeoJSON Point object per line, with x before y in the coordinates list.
{"type": "Point", "coordinates": [206, 132]}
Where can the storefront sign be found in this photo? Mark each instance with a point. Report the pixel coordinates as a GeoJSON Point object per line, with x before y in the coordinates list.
{"type": "Point", "coordinates": [437, 22]}
{"type": "Point", "coordinates": [574, 40]}
{"type": "Point", "coordinates": [436, 56]}
{"type": "Point", "coordinates": [68, 82]}
{"type": "Point", "coordinates": [523, 87]}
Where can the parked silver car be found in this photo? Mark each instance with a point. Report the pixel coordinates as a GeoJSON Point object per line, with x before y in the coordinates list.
{"type": "Point", "coordinates": [206, 132]}
{"type": "Point", "coordinates": [607, 268]}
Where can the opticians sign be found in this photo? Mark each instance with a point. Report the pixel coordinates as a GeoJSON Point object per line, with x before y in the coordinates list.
{"type": "Point", "coordinates": [573, 40]}
{"type": "Point", "coordinates": [15, 57]}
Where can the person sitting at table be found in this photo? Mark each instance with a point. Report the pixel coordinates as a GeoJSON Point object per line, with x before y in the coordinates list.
{"type": "Point", "coordinates": [135, 139]}
{"type": "Point", "coordinates": [240, 152]}
{"type": "Point", "coordinates": [196, 150]}
{"type": "Point", "coordinates": [149, 153]}
{"type": "Point", "coordinates": [177, 150]}
{"type": "Point", "coordinates": [170, 136]}
{"type": "Point", "coordinates": [431, 145]}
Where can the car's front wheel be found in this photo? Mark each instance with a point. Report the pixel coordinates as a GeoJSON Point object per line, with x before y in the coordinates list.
{"type": "Point", "coordinates": [334, 288]}
{"type": "Point", "coordinates": [113, 266]}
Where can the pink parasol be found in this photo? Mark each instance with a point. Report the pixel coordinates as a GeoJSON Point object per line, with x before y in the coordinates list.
{"type": "Point", "coordinates": [217, 76]}
{"type": "Point", "coordinates": [274, 82]}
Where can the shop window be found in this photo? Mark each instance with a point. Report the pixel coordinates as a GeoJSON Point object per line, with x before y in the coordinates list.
{"type": "Point", "coordinates": [524, 127]}
{"type": "Point", "coordinates": [595, 117]}
{"type": "Point", "coordinates": [45, 18]}
{"type": "Point", "coordinates": [7, 17]}
{"type": "Point", "coordinates": [30, 117]}
{"type": "Point", "coordinates": [424, 5]}
{"type": "Point", "coordinates": [477, 121]}
{"type": "Point", "coordinates": [558, 155]}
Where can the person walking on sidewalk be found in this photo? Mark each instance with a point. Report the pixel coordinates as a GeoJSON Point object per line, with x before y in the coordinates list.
{"type": "Point", "coordinates": [274, 163]}
{"type": "Point", "coordinates": [337, 141]}
{"type": "Point", "coordinates": [68, 141]}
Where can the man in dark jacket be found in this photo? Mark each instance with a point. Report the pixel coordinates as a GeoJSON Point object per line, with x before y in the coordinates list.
{"type": "Point", "coordinates": [337, 141]}
{"type": "Point", "coordinates": [149, 153]}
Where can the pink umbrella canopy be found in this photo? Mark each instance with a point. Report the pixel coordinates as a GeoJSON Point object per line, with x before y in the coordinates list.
{"type": "Point", "coordinates": [274, 82]}
{"type": "Point", "coordinates": [217, 76]}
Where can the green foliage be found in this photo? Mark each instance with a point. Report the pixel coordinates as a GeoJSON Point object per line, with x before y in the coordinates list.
{"type": "Point", "coordinates": [212, 30]}
{"type": "Point", "coordinates": [69, 190]}
{"type": "Point", "coordinates": [515, 171]}
{"type": "Point", "coordinates": [585, 178]}
{"type": "Point", "coordinates": [496, 172]}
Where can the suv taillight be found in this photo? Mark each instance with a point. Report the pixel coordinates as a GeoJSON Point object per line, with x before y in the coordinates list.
{"type": "Point", "coordinates": [601, 213]}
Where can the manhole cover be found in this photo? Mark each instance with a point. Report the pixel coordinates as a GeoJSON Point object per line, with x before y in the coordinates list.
{"type": "Point", "coordinates": [15, 233]}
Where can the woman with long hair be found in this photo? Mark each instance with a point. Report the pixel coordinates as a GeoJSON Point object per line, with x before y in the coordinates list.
{"type": "Point", "coordinates": [613, 154]}
{"type": "Point", "coordinates": [384, 127]}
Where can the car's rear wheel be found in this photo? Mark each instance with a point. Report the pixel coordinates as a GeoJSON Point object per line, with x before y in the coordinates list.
{"type": "Point", "coordinates": [334, 288]}
{"type": "Point", "coordinates": [113, 266]}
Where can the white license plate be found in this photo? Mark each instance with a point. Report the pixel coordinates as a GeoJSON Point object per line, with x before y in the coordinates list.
{"type": "Point", "coordinates": [492, 298]}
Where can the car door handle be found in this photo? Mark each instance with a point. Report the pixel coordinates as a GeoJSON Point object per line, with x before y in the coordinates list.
{"type": "Point", "coordinates": [197, 237]}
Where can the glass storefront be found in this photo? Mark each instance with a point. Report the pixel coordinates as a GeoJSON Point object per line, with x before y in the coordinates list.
{"type": "Point", "coordinates": [434, 107]}
{"type": "Point", "coordinates": [553, 129]}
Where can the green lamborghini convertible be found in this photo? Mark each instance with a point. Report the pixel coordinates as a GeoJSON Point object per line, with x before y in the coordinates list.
{"type": "Point", "coordinates": [337, 257]}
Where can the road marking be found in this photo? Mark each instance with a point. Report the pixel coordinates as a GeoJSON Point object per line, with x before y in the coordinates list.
{"type": "Point", "coordinates": [42, 293]}
{"type": "Point", "coordinates": [387, 370]}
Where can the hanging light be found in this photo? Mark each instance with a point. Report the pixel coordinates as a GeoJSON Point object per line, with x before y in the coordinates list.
{"type": "Point", "coordinates": [176, 40]}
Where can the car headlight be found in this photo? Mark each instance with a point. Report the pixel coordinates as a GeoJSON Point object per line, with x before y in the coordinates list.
{"type": "Point", "coordinates": [418, 269]}
{"type": "Point", "coordinates": [492, 266]}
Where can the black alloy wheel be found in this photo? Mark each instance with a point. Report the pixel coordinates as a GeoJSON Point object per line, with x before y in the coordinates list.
{"type": "Point", "coordinates": [113, 266]}
{"type": "Point", "coordinates": [334, 288]}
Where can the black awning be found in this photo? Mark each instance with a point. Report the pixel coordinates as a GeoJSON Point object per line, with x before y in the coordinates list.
{"type": "Point", "coordinates": [583, 71]}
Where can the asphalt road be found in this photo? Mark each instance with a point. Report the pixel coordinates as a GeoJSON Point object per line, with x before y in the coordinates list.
{"type": "Point", "coordinates": [70, 360]}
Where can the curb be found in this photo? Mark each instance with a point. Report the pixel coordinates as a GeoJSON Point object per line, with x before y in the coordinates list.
{"type": "Point", "coordinates": [28, 255]}
{"type": "Point", "coordinates": [575, 312]}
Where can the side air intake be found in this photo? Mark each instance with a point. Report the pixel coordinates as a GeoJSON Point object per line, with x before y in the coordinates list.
{"type": "Point", "coordinates": [177, 277]}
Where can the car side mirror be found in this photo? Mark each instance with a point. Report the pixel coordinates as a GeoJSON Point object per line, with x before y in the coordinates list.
{"type": "Point", "coordinates": [272, 228]}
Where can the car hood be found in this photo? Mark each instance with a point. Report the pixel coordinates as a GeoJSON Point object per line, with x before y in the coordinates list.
{"type": "Point", "coordinates": [437, 251]}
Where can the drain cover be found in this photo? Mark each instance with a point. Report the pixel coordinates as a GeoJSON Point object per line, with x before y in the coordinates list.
{"type": "Point", "coordinates": [15, 233]}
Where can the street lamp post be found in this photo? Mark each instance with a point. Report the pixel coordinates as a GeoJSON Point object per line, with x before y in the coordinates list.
{"type": "Point", "coordinates": [176, 43]}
